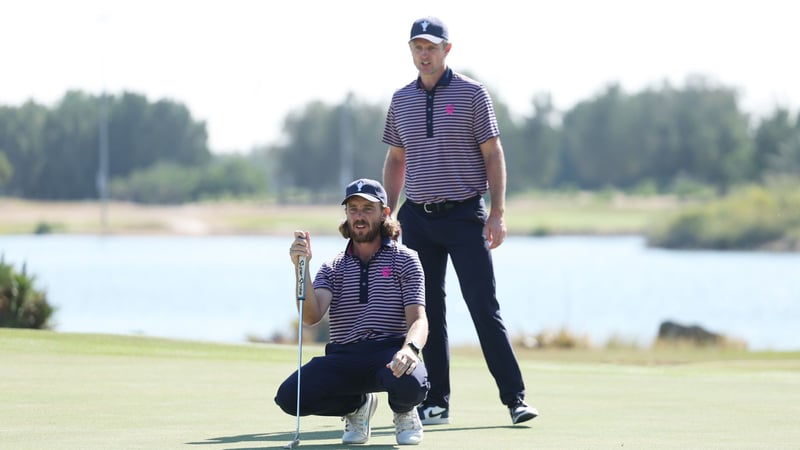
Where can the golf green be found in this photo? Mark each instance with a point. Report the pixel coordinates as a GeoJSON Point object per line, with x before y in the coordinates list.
{"type": "Point", "coordinates": [82, 391]}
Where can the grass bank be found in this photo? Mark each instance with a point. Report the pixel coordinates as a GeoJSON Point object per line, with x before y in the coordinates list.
{"type": "Point", "coordinates": [63, 390]}
{"type": "Point", "coordinates": [533, 214]}
{"type": "Point", "coordinates": [748, 218]}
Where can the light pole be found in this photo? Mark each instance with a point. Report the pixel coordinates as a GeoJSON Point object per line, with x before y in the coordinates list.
{"type": "Point", "coordinates": [102, 169]}
{"type": "Point", "coordinates": [346, 141]}
{"type": "Point", "coordinates": [102, 130]}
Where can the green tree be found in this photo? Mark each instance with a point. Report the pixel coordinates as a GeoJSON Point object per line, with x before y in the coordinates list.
{"type": "Point", "coordinates": [512, 139]}
{"type": "Point", "coordinates": [143, 134]}
{"type": "Point", "coordinates": [54, 152]}
{"type": "Point", "coordinates": [307, 160]}
{"type": "Point", "coordinates": [597, 142]}
{"type": "Point", "coordinates": [777, 144]}
{"type": "Point", "coordinates": [164, 183]}
{"type": "Point", "coordinates": [6, 171]}
{"type": "Point", "coordinates": [661, 135]}
{"type": "Point", "coordinates": [326, 143]}
{"type": "Point", "coordinates": [231, 176]}
{"type": "Point", "coordinates": [70, 142]}
{"type": "Point", "coordinates": [538, 163]}
{"type": "Point", "coordinates": [716, 141]}
{"type": "Point", "coordinates": [226, 176]}
{"type": "Point", "coordinates": [21, 138]}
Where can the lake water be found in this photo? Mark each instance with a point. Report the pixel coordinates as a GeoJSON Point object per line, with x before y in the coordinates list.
{"type": "Point", "coordinates": [228, 287]}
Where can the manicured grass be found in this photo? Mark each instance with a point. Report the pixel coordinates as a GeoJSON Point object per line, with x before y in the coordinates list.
{"type": "Point", "coordinates": [81, 391]}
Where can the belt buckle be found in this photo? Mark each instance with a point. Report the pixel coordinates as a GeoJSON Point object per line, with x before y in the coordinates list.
{"type": "Point", "coordinates": [425, 207]}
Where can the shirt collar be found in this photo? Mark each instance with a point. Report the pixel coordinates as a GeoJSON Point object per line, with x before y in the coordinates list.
{"type": "Point", "coordinates": [444, 80]}
{"type": "Point", "coordinates": [386, 241]}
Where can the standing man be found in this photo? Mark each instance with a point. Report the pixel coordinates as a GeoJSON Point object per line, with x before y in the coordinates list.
{"type": "Point", "coordinates": [373, 292]}
{"type": "Point", "coordinates": [444, 147]}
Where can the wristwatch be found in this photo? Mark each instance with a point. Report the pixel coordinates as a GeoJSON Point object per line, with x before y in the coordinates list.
{"type": "Point", "coordinates": [414, 346]}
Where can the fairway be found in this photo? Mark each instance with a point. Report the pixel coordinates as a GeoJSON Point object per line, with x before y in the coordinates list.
{"type": "Point", "coordinates": [81, 391]}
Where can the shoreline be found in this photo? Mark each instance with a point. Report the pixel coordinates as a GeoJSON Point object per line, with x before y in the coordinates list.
{"type": "Point", "coordinates": [578, 214]}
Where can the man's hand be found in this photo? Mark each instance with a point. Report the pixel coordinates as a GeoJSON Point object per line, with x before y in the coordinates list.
{"type": "Point", "coordinates": [495, 231]}
{"type": "Point", "coordinates": [404, 362]}
{"type": "Point", "coordinates": [301, 246]}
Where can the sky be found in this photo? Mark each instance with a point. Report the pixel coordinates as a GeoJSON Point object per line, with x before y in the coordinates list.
{"type": "Point", "coordinates": [242, 66]}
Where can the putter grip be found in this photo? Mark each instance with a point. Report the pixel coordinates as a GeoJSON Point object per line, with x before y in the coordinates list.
{"type": "Point", "coordinates": [301, 277]}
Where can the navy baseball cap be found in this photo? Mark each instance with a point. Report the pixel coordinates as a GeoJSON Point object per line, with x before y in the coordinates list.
{"type": "Point", "coordinates": [431, 29]}
{"type": "Point", "coordinates": [368, 189]}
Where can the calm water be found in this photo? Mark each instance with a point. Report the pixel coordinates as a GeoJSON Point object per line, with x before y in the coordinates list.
{"type": "Point", "coordinates": [225, 288]}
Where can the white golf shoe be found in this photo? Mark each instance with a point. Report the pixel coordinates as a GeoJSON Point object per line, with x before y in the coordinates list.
{"type": "Point", "coordinates": [433, 415]}
{"type": "Point", "coordinates": [521, 412]}
{"type": "Point", "coordinates": [408, 428]}
{"type": "Point", "coordinates": [357, 429]}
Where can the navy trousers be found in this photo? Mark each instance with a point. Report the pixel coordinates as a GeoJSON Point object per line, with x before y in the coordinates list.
{"type": "Point", "coordinates": [335, 384]}
{"type": "Point", "coordinates": [458, 232]}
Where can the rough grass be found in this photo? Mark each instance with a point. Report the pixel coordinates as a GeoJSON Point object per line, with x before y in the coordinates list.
{"type": "Point", "coordinates": [63, 390]}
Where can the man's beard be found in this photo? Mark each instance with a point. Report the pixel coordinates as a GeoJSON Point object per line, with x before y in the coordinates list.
{"type": "Point", "coordinates": [365, 236]}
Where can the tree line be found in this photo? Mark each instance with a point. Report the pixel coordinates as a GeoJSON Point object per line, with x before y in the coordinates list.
{"type": "Point", "coordinates": [660, 139]}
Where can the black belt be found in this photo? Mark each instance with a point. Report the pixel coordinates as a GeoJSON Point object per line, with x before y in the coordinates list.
{"type": "Point", "coordinates": [440, 207]}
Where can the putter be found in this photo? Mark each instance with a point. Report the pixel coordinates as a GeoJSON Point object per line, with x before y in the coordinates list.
{"type": "Point", "coordinates": [301, 295]}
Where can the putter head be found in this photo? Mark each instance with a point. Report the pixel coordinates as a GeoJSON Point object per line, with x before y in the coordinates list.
{"type": "Point", "coordinates": [294, 444]}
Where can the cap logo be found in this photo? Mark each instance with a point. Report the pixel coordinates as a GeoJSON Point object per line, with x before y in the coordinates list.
{"type": "Point", "coordinates": [360, 185]}
{"type": "Point", "coordinates": [425, 26]}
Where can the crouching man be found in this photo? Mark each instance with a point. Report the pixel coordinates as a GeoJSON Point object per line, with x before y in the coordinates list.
{"type": "Point", "coordinates": [374, 294]}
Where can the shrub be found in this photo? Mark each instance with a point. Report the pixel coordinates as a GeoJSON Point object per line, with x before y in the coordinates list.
{"type": "Point", "coordinates": [169, 183]}
{"type": "Point", "coordinates": [549, 339]}
{"type": "Point", "coordinates": [21, 304]}
{"type": "Point", "coordinates": [752, 217]}
{"type": "Point", "coordinates": [48, 227]}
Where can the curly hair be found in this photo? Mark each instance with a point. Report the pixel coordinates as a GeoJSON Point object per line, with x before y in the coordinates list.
{"type": "Point", "coordinates": [389, 228]}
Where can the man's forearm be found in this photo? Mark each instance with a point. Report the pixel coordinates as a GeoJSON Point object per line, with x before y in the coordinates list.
{"type": "Point", "coordinates": [496, 175]}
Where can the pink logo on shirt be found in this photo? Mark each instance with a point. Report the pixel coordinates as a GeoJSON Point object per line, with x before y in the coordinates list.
{"type": "Point", "coordinates": [386, 272]}
{"type": "Point", "coordinates": [450, 109]}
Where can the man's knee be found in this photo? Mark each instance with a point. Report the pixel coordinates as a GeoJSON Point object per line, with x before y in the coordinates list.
{"type": "Point", "coordinates": [286, 397]}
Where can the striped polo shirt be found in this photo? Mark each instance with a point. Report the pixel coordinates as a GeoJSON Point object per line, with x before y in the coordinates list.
{"type": "Point", "coordinates": [441, 131]}
{"type": "Point", "coordinates": [369, 299]}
